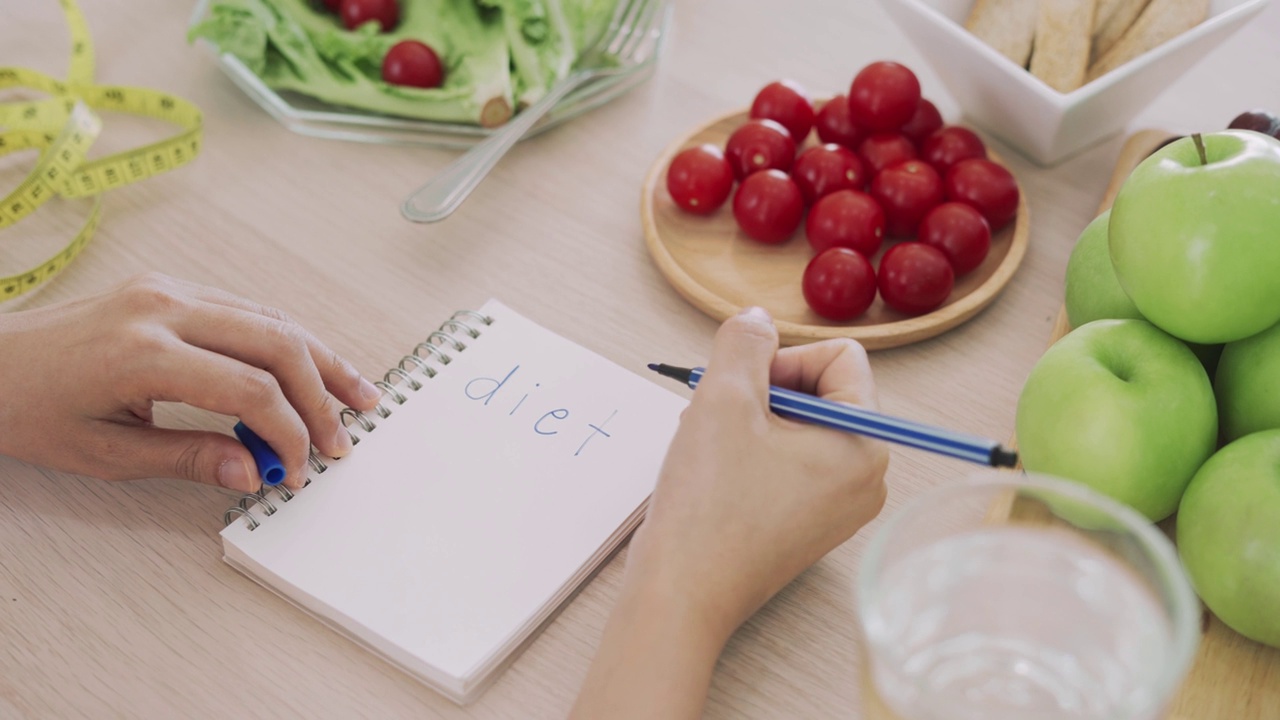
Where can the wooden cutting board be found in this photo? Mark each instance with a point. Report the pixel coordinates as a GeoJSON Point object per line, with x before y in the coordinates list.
{"type": "Point", "coordinates": [1233, 678]}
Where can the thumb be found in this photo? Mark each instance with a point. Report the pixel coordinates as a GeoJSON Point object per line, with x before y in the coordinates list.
{"type": "Point", "coordinates": [741, 357]}
{"type": "Point", "coordinates": [205, 457]}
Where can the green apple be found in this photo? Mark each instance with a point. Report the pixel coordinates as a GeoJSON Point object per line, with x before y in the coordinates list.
{"type": "Point", "coordinates": [1093, 292]}
{"type": "Point", "coordinates": [1196, 242]}
{"type": "Point", "coordinates": [1229, 535]}
{"type": "Point", "coordinates": [1248, 385]}
{"type": "Point", "coordinates": [1122, 407]}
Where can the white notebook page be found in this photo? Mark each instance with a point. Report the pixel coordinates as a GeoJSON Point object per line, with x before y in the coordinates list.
{"type": "Point", "coordinates": [466, 512]}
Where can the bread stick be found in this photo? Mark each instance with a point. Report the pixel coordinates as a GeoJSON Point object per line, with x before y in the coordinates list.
{"type": "Point", "coordinates": [1160, 21]}
{"type": "Point", "coordinates": [1112, 19]}
{"type": "Point", "coordinates": [1008, 26]}
{"type": "Point", "coordinates": [1060, 55]}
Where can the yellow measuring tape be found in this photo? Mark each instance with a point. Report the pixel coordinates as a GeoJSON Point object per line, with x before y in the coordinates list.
{"type": "Point", "coordinates": [63, 127]}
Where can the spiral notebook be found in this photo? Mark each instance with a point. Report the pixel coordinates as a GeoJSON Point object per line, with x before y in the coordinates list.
{"type": "Point", "coordinates": [503, 466]}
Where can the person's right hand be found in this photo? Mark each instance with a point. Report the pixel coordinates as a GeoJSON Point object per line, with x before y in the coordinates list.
{"type": "Point", "coordinates": [745, 501]}
{"type": "Point", "coordinates": [78, 381]}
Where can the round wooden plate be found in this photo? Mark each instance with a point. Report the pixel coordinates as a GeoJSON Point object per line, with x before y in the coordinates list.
{"type": "Point", "coordinates": [713, 265]}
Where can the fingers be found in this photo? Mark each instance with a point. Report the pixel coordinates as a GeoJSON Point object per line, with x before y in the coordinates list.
{"type": "Point", "coordinates": [282, 349]}
{"type": "Point", "coordinates": [206, 457]}
{"type": "Point", "coordinates": [214, 382]}
{"type": "Point", "coordinates": [832, 369]}
{"type": "Point", "coordinates": [339, 376]}
{"type": "Point", "coordinates": [740, 357]}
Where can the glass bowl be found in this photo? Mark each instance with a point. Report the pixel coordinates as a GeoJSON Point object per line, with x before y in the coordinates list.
{"type": "Point", "coordinates": [314, 118]}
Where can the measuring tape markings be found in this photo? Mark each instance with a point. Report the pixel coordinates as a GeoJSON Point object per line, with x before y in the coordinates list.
{"type": "Point", "coordinates": [62, 168]}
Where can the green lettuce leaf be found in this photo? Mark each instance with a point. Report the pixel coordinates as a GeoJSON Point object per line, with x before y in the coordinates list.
{"type": "Point", "coordinates": [310, 53]}
{"type": "Point", "coordinates": [587, 21]}
{"type": "Point", "coordinates": [237, 32]}
{"type": "Point", "coordinates": [498, 54]}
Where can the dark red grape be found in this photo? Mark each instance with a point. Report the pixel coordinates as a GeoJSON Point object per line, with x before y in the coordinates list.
{"type": "Point", "coordinates": [1258, 121]}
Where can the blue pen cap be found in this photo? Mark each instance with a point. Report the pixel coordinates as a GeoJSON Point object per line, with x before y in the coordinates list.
{"type": "Point", "coordinates": [269, 466]}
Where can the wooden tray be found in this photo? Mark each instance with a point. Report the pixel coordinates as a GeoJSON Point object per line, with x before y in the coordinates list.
{"type": "Point", "coordinates": [718, 269]}
{"type": "Point", "coordinates": [1233, 678]}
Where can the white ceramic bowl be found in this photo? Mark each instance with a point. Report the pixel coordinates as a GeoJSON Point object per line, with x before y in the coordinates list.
{"type": "Point", "coordinates": [1017, 107]}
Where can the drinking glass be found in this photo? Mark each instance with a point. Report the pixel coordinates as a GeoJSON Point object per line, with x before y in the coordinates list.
{"type": "Point", "coordinates": [1014, 596]}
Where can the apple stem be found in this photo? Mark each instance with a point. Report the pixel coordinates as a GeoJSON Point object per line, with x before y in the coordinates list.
{"type": "Point", "coordinates": [1195, 137]}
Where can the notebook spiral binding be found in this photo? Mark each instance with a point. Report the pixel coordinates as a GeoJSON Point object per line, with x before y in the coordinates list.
{"type": "Point", "coordinates": [426, 360]}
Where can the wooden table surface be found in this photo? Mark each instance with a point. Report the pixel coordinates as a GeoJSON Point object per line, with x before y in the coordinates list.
{"type": "Point", "coordinates": [114, 601]}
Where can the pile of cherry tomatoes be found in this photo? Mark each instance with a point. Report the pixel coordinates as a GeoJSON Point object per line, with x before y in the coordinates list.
{"type": "Point", "coordinates": [408, 62]}
{"type": "Point", "coordinates": [886, 167]}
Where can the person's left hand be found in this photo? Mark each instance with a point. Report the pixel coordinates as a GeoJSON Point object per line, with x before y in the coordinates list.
{"type": "Point", "coordinates": [78, 381]}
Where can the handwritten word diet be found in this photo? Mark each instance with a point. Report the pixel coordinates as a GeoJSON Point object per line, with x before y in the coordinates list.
{"type": "Point", "coordinates": [549, 423]}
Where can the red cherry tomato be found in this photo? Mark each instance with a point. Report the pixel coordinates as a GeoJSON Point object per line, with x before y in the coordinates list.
{"type": "Point", "coordinates": [768, 206]}
{"type": "Point", "coordinates": [333, 5]}
{"type": "Point", "coordinates": [759, 145]}
{"type": "Point", "coordinates": [925, 122]}
{"type": "Point", "coordinates": [949, 146]}
{"type": "Point", "coordinates": [824, 169]}
{"type": "Point", "coordinates": [786, 103]}
{"type": "Point", "coordinates": [960, 232]}
{"type": "Point", "coordinates": [988, 187]}
{"type": "Point", "coordinates": [881, 150]}
{"type": "Point", "coordinates": [412, 63]}
{"type": "Point", "coordinates": [907, 192]}
{"type": "Point", "coordinates": [835, 124]}
{"type": "Point", "coordinates": [846, 218]}
{"type": "Point", "coordinates": [884, 96]}
{"type": "Point", "coordinates": [839, 284]}
{"type": "Point", "coordinates": [915, 278]}
{"type": "Point", "coordinates": [699, 179]}
{"type": "Point", "coordinates": [358, 12]}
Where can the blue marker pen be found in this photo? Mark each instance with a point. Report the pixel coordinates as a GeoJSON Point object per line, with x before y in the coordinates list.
{"type": "Point", "coordinates": [269, 465]}
{"type": "Point", "coordinates": [839, 416]}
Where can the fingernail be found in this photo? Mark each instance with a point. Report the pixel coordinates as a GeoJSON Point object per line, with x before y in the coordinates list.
{"type": "Point", "coordinates": [342, 441]}
{"type": "Point", "coordinates": [234, 474]}
{"type": "Point", "coordinates": [755, 311]}
{"type": "Point", "coordinates": [369, 391]}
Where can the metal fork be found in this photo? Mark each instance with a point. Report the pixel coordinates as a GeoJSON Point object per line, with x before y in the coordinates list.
{"type": "Point", "coordinates": [631, 40]}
